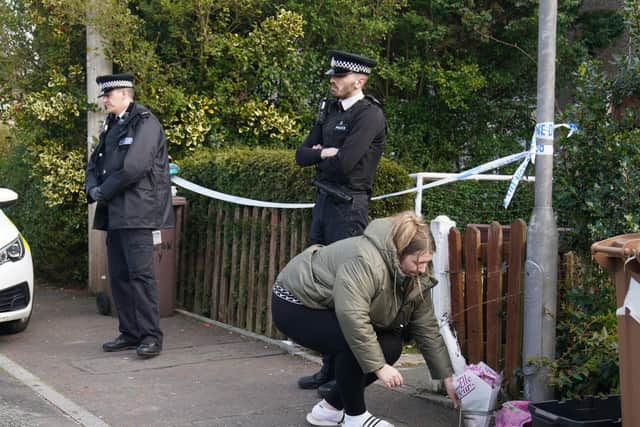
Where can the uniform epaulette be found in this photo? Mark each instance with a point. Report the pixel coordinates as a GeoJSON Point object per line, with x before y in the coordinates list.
{"type": "Point", "coordinates": [374, 100]}
{"type": "Point", "coordinates": [133, 124]}
{"type": "Point", "coordinates": [143, 115]}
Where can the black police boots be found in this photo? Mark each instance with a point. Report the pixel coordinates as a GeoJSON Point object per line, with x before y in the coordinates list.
{"type": "Point", "coordinates": [313, 381]}
{"type": "Point", "coordinates": [324, 375]}
{"type": "Point", "coordinates": [119, 344]}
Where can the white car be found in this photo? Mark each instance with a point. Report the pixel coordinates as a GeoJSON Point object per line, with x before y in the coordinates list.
{"type": "Point", "coordinates": [16, 272]}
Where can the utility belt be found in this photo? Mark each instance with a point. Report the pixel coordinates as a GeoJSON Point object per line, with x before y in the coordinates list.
{"type": "Point", "coordinates": [344, 196]}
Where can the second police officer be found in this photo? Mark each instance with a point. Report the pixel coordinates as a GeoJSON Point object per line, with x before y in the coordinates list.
{"type": "Point", "coordinates": [345, 145]}
{"type": "Point", "coordinates": [128, 175]}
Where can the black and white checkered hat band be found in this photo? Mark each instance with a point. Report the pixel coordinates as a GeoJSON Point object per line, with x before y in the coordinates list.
{"type": "Point", "coordinates": [115, 84]}
{"type": "Point", "coordinates": [354, 67]}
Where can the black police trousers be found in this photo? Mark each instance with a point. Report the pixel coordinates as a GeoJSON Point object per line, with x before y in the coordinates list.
{"type": "Point", "coordinates": [334, 219]}
{"type": "Point", "coordinates": [133, 285]}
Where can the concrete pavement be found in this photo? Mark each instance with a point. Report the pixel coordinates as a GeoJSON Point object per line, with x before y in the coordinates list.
{"type": "Point", "coordinates": [21, 406]}
{"type": "Point", "coordinates": [55, 374]}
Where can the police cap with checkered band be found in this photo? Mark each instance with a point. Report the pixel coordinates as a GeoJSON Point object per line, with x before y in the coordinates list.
{"type": "Point", "coordinates": [343, 63]}
{"type": "Point", "coordinates": [114, 81]}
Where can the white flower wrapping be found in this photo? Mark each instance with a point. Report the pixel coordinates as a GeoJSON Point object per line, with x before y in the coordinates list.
{"type": "Point", "coordinates": [477, 386]}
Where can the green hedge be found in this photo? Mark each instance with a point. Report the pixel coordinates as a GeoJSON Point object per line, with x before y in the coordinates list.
{"type": "Point", "coordinates": [272, 175]}
{"type": "Point", "coordinates": [478, 202]}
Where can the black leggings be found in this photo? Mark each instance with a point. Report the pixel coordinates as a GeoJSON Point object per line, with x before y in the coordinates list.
{"type": "Point", "coordinates": [319, 330]}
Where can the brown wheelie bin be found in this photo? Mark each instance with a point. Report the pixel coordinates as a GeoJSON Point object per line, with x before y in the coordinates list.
{"type": "Point", "coordinates": [620, 256]}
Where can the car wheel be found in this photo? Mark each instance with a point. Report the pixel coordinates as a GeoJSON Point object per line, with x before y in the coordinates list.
{"type": "Point", "coordinates": [15, 326]}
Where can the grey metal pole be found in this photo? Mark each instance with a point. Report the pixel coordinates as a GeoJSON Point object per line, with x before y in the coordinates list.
{"type": "Point", "coordinates": [97, 64]}
{"type": "Point", "coordinates": [541, 267]}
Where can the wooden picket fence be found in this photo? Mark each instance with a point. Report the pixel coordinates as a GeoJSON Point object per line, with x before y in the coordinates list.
{"type": "Point", "coordinates": [228, 263]}
{"type": "Point", "coordinates": [486, 272]}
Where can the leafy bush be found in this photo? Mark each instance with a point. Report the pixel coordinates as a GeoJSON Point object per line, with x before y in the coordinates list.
{"type": "Point", "coordinates": [598, 164]}
{"type": "Point", "coordinates": [597, 198]}
{"type": "Point", "coordinates": [272, 175]}
{"type": "Point", "coordinates": [477, 202]}
{"type": "Point", "coordinates": [5, 147]}
{"type": "Point", "coordinates": [586, 332]}
{"type": "Point", "coordinates": [601, 27]}
{"type": "Point", "coordinates": [57, 235]}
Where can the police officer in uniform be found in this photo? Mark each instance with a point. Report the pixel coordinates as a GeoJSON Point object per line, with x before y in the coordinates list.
{"type": "Point", "coordinates": [128, 176]}
{"type": "Point", "coordinates": [345, 146]}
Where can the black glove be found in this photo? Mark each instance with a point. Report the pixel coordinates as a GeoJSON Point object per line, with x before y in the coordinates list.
{"type": "Point", "coordinates": [96, 194]}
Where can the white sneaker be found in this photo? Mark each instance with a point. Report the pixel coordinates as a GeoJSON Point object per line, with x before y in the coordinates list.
{"type": "Point", "coordinates": [324, 414]}
{"type": "Point", "coordinates": [367, 421]}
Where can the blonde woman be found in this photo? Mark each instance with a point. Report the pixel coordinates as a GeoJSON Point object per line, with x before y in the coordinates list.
{"type": "Point", "coordinates": [357, 299]}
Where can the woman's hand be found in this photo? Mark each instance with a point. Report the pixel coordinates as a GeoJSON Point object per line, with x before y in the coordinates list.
{"type": "Point", "coordinates": [451, 391]}
{"type": "Point", "coordinates": [390, 376]}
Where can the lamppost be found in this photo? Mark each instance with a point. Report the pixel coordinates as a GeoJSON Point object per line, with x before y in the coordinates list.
{"type": "Point", "coordinates": [541, 267]}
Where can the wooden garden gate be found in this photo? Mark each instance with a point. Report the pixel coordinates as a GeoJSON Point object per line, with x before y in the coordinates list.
{"type": "Point", "coordinates": [486, 272]}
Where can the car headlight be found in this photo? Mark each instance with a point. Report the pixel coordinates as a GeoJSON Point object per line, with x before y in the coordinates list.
{"type": "Point", "coordinates": [14, 251]}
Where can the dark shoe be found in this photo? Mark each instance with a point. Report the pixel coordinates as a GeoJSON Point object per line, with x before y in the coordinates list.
{"type": "Point", "coordinates": [119, 344]}
{"type": "Point", "coordinates": [148, 350]}
{"type": "Point", "coordinates": [313, 381]}
{"type": "Point", "coordinates": [325, 390]}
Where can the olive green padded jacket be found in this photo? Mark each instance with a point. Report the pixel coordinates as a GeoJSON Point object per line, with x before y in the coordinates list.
{"type": "Point", "coordinates": [360, 278]}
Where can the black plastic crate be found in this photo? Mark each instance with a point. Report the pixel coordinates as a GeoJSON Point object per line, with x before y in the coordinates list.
{"type": "Point", "coordinates": [590, 411]}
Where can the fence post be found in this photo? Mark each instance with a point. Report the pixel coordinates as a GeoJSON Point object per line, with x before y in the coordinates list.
{"type": "Point", "coordinates": [493, 288]}
{"type": "Point", "coordinates": [418, 201]}
{"type": "Point", "coordinates": [441, 294]}
{"type": "Point", "coordinates": [473, 294]}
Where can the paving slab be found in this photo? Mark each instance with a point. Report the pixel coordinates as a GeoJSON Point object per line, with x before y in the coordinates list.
{"type": "Point", "coordinates": [22, 407]}
{"type": "Point", "coordinates": [205, 376]}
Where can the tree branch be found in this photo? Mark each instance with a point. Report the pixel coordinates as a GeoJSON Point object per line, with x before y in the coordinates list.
{"type": "Point", "coordinates": [507, 44]}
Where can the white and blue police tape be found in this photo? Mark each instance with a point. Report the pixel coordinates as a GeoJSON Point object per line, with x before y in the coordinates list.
{"type": "Point", "coordinates": [546, 131]}
{"type": "Point", "coordinates": [494, 164]}
{"type": "Point", "coordinates": [573, 128]}
{"type": "Point", "coordinates": [515, 180]}
{"type": "Point", "coordinates": [188, 185]}
{"type": "Point", "coordinates": [529, 155]}
{"type": "Point", "coordinates": [542, 131]}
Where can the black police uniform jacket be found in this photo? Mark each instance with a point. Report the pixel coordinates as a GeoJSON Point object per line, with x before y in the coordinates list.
{"type": "Point", "coordinates": [359, 133]}
{"type": "Point", "coordinates": [131, 167]}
